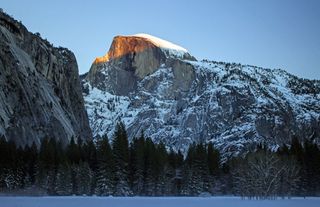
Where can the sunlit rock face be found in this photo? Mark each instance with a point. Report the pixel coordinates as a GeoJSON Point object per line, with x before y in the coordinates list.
{"type": "Point", "coordinates": [130, 59]}
{"type": "Point", "coordinates": [160, 89]}
{"type": "Point", "coordinates": [135, 54]}
{"type": "Point", "coordinates": [40, 92]}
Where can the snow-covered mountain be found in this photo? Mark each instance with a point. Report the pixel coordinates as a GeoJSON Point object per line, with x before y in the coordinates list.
{"type": "Point", "coordinates": [159, 88]}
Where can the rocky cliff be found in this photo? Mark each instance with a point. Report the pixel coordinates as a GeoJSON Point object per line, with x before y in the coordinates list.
{"type": "Point", "coordinates": [40, 92]}
{"type": "Point", "coordinates": [178, 100]}
{"type": "Point", "coordinates": [131, 58]}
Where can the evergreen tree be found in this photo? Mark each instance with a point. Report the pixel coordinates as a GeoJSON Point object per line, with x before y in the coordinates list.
{"type": "Point", "coordinates": [148, 174]}
{"type": "Point", "coordinates": [105, 173]}
{"type": "Point", "coordinates": [173, 173]}
{"type": "Point", "coordinates": [84, 177]}
{"type": "Point", "coordinates": [162, 172]}
{"type": "Point", "coordinates": [73, 152]}
{"type": "Point", "coordinates": [48, 165]}
{"type": "Point", "coordinates": [137, 165]}
{"type": "Point", "coordinates": [213, 160]}
{"type": "Point", "coordinates": [30, 157]}
{"type": "Point", "coordinates": [120, 147]}
{"type": "Point", "coordinates": [7, 159]}
{"type": "Point", "coordinates": [89, 153]}
{"type": "Point", "coordinates": [197, 172]}
{"type": "Point", "coordinates": [312, 168]}
{"type": "Point", "coordinates": [90, 156]}
{"type": "Point", "coordinates": [214, 169]}
{"type": "Point", "coordinates": [64, 181]}
{"type": "Point", "coordinates": [297, 152]}
{"type": "Point", "coordinates": [188, 182]}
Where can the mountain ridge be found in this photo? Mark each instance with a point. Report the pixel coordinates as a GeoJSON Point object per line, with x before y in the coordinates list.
{"type": "Point", "coordinates": [183, 101]}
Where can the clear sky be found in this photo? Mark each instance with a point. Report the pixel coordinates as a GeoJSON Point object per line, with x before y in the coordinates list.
{"type": "Point", "coordinates": [271, 33]}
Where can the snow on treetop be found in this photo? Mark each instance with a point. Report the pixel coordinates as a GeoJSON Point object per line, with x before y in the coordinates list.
{"type": "Point", "coordinates": [172, 48]}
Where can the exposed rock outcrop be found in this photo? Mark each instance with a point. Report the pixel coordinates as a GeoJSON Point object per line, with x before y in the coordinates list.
{"type": "Point", "coordinates": [40, 88]}
{"type": "Point", "coordinates": [132, 58]}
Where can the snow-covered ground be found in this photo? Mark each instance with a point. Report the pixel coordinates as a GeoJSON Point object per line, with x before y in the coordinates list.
{"type": "Point", "coordinates": [153, 202]}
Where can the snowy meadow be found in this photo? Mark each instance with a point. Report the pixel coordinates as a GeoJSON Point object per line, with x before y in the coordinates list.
{"type": "Point", "coordinates": [78, 201]}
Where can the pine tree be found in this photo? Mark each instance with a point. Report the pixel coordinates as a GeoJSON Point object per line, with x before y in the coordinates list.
{"type": "Point", "coordinates": [137, 165]}
{"type": "Point", "coordinates": [12, 175]}
{"type": "Point", "coordinates": [214, 168]}
{"type": "Point", "coordinates": [187, 171]}
{"type": "Point", "coordinates": [148, 174]}
{"type": "Point", "coordinates": [63, 181]}
{"type": "Point", "coordinates": [213, 160]}
{"type": "Point", "coordinates": [89, 152]}
{"type": "Point", "coordinates": [84, 177]}
{"type": "Point", "coordinates": [90, 156]}
{"type": "Point", "coordinates": [48, 165]}
{"type": "Point", "coordinates": [7, 159]}
{"type": "Point", "coordinates": [161, 172]}
{"type": "Point", "coordinates": [173, 172]}
{"type": "Point", "coordinates": [105, 168]}
{"type": "Point", "coordinates": [29, 158]}
{"type": "Point", "coordinates": [312, 167]}
{"type": "Point", "coordinates": [73, 152]}
{"type": "Point", "coordinates": [33, 162]}
{"type": "Point", "coordinates": [120, 147]}
{"type": "Point", "coordinates": [297, 152]}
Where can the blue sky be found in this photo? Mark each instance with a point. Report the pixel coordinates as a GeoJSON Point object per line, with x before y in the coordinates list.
{"type": "Point", "coordinates": [274, 33]}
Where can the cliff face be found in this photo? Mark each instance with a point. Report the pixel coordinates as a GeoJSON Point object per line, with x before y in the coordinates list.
{"type": "Point", "coordinates": [132, 58]}
{"type": "Point", "coordinates": [40, 88]}
{"type": "Point", "coordinates": [183, 101]}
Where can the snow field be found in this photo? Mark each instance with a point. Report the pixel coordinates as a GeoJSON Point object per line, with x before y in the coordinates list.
{"type": "Point", "coordinates": [154, 202]}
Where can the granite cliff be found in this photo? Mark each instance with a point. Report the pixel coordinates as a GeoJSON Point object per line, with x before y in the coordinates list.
{"type": "Point", "coordinates": [40, 92]}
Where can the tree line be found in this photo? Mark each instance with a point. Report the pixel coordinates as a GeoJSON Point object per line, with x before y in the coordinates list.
{"type": "Point", "coordinates": [145, 168]}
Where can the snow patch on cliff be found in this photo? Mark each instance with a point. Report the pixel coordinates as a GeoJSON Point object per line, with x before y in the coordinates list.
{"type": "Point", "coordinates": [172, 49]}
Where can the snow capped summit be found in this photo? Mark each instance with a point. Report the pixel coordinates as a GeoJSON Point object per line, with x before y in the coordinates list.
{"type": "Point", "coordinates": [140, 43]}
{"type": "Point", "coordinates": [173, 49]}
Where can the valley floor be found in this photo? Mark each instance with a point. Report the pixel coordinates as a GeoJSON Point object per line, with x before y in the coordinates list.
{"type": "Point", "coordinates": [78, 201]}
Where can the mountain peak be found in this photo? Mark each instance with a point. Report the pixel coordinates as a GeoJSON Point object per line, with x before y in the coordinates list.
{"type": "Point", "coordinates": [162, 43]}
{"type": "Point", "coordinates": [133, 44]}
